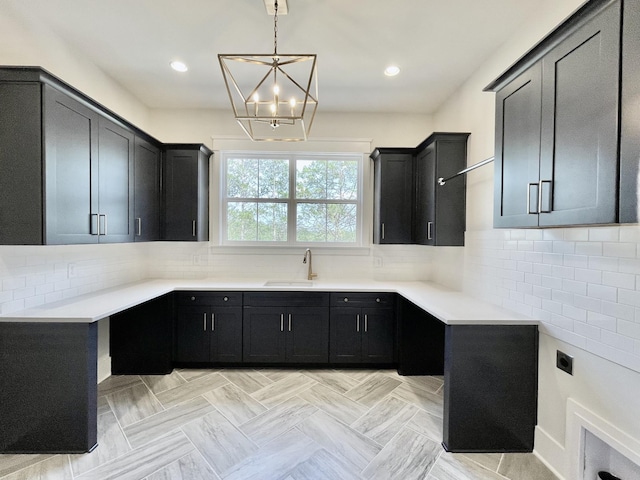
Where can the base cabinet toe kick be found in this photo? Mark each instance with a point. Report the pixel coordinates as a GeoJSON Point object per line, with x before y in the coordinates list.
{"type": "Point", "coordinates": [48, 370]}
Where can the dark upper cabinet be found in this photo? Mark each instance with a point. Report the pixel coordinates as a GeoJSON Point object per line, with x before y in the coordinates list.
{"type": "Point", "coordinates": [186, 192]}
{"type": "Point", "coordinates": [208, 327]}
{"type": "Point", "coordinates": [286, 327]}
{"type": "Point", "coordinates": [440, 216]}
{"type": "Point", "coordinates": [362, 328]}
{"type": "Point", "coordinates": [557, 126]}
{"type": "Point", "coordinates": [147, 191]}
{"type": "Point", "coordinates": [393, 195]}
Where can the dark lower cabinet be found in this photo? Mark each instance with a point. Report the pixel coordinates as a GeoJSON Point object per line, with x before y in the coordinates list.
{"type": "Point", "coordinates": [141, 339]}
{"type": "Point", "coordinates": [362, 328]}
{"type": "Point", "coordinates": [286, 328]}
{"type": "Point", "coordinates": [490, 388]}
{"type": "Point", "coordinates": [420, 341]}
{"type": "Point", "coordinates": [208, 327]}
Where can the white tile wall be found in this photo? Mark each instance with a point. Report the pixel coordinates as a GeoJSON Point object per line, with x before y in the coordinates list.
{"type": "Point", "coordinates": [583, 283]}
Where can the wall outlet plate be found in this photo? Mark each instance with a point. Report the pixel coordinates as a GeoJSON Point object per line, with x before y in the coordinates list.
{"type": "Point", "coordinates": [564, 362]}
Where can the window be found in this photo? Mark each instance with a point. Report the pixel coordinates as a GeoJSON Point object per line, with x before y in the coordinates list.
{"type": "Point", "coordinates": [289, 199]}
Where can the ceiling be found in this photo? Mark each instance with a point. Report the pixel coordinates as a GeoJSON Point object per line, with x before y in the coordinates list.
{"type": "Point", "coordinates": [437, 44]}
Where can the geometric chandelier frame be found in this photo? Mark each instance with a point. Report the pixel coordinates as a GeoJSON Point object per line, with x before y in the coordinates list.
{"type": "Point", "coordinates": [274, 97]}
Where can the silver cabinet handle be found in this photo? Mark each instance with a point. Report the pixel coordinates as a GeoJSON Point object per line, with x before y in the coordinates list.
{"type": "Point", "coordinates": [204, 322]}
{"type": "Point", "coordinates": [529, 202]}
{"type": "Point", "coordinates": [429, 226]}
{"type": "Point", "coordinates": [366, 322]}
{"type": "Point", "coordinates": [544, 194]}
{"type": "Point", "coordinates": [95, 224]}
{"type": "Point", "coordinates": [382, 230]}
{"type": "Point", "coordinates": [100, 231]}
{"type": "Point", "coordinates": [193, 228]}
{"type": "Point", "coordinates": [138, 227]}
{"type": "Point", "coordinates": [282, 322]}
{"type": "Point", "coordinates": [358, 323]}
{"type": "Point", "coordinates": [213, 322]}
{"type": "Point", "coordinates": [289, 322]}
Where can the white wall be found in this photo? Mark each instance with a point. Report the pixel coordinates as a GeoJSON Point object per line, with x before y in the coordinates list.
{"type": "Point", "coordinates": [581, 282]}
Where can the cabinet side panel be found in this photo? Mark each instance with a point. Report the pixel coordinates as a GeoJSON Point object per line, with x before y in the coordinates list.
{"type": "Point", "coordinates": [449, 201]}
{"type": "Point", "coordinates": [21, 165]}
{"type": "Point", "coordinates": [147, 191]}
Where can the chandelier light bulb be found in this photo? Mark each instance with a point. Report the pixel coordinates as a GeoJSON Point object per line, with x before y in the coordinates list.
{"type": "Point", "coordinates": [276, 89]}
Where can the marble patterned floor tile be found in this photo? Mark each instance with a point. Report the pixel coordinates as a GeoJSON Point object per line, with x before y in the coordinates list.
{"type": "Point", "coordinates": [53, 468]}
{"type": "Point", "coordinates": [275, 459]}
{"type": "Point", "coordinates": [490, 461]}
{"type": "Point", "coordinates": [523, 466]}
{"type": "Point", "coordinates": [238, 406]}
{"type": "Point", "coordinates": [248, 381]}
{"type": "Point", "coordinates": [333, 403]}
{"type": "Point", "coordinates": [373, 389]}
{"type": "Point", "coordinates": [409, 456]}
{"type": "Point", "coordinates": [275, 374]}
{"type": "Point", "coordinates": [425, 382]}
{"type": "Point", "coordinates": [338, 439]}
{"type": "Point", "coordinates": [10, 463]}
{"type": "Point", "coordinates": [166, 421]}
{"type": "Point", "coordinates": [359, 374]}
{"type": "Point", "coordinates": [160, 383]}
{"type": "Point", "coordinates": [103, 405]}
{"type": "Point", "coordinates": [429, 402]}
{"type": "Point", "coordinates": [192, 389]}
{"type": "Point", "coordinates": [189, 467]}
{"type": "Point", "coordinates": [134, 404]}
{"type": "Point", "coordinates": [385, 419]}
{"type": "Point", "coordinates": [279, 391]}
{"type": "Point", "coordinates": [190, 374]}
{"type": "Point", "coordinates": [117, 382]}
{"type": "Point", "coordinates": [219, 441]}
{"type": "Point", "coordinates": [333, 379]}
{"type": "Point", "coordinates": [323, 466]}
{"type": "Point", "coordinates": [428, 425]}
{"type": "Point", "coordinates": [459, 467]}
{"type": "Point", "coordinates": [269, 425]}
{"type": "Point", "coordinates": [111, 444]}
{"type": "Point", "coordinates": [143, 461]}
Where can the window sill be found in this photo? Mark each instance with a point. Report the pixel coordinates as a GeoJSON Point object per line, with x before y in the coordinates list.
{"type": "Point", "coordinates": [289, 250]}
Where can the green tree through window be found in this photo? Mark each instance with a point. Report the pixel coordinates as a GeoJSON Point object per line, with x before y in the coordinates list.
{"type": "Point", "coordinates": [289, 199]}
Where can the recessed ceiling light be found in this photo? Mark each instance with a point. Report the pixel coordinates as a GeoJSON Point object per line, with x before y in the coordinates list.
{"type": "Point", "coordinates": [179, 66]}
{"type": "Point", "coordinates": [391, 71]}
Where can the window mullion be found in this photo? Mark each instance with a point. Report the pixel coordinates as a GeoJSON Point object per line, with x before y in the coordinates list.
{"type": "Point", "coordinates": [292, 208]}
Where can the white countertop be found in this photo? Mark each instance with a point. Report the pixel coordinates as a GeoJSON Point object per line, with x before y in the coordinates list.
{"type": "Point", "coordinates": [449, 306]}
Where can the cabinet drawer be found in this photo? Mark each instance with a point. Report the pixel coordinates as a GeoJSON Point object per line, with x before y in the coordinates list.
{"type": "Point", "coordinates": [286, 299]}
{"type": "Point", "coordinates": [227, 299]}
{"type": "Point", "coordinates": [372, 299]}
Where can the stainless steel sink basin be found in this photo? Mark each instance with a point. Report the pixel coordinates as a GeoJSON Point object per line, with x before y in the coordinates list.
{"type": "Point", "coordinates": [288, 283]}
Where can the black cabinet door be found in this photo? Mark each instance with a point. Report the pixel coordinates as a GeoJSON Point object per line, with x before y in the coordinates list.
{"type": "Point", "coordinates": [226, 335]}
{"type": "Point", "coordinates": [192, 334]}
{"type": "Point", "coordinates": [263, 334]}
{"type": "Point", "coordinates": [307, 335]}
{"type": "Point", "coordinates": [147, 191]}
{"type": "Point", "coordinates": [517, 151]}
{"type": "Point", "coordinates": [378, 334]}
{"type": "Point", "coordinates": [393, 191]}
{"type": "Point", "coordinates": [345, 344]}
{"type": "Point", "coordinates": [186, 194]}
{"type": "Point", "coordinates": [578, 166]}
{"type": "Point", "coordinates": [115, 183]}
{"type": "Point", "coordinates": [71, 171]}
{"type": "Point", "coordinates": [425, 196]}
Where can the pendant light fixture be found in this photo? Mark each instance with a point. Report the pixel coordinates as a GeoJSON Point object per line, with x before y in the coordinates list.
{"type": "Point", "coordinates": [274, 96]}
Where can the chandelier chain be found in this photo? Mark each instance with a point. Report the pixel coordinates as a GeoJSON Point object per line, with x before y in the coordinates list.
{"type": "Point", "coordinates": [275, 29]}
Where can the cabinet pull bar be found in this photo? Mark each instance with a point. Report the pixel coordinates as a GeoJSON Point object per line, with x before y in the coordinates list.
{"type": "Point", "coordinates": [204, 322]}
{"type": "Point", "coordinates": [95, 224]}
{"type": "Point", "coordinates": [382, 230]}
{"type": "Point", "coordinates": [101, 231]}
{"type": "Point", "coordinates": [138, 227]}
{"type": "Point", "coordinates": [366, 323]}
{"type": "Point", "coordinates": [289, 322]}
{"type": "Point", "coordinates": [529, 203]}
{"type": "Point", "coordinates": [358, 323]}
{"type": "Point", "coordinates": [544, 208]}
{"type": "Point", "coordinates": [193, 228]}
{"type": "Point", "coordinates": [213, 322]}
{"type": "Point", "coordinates": [429, 237]}
{"type": "Point", "coordinates": [282, 322]}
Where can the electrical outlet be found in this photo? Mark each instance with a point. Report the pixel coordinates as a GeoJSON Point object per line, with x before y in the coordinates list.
{"type": "Point", "coordinates": [71, 270]}
{"type": "Point", "coordinates": [564, 362]}
{"type": "Point", "coordinates": [377, 262]}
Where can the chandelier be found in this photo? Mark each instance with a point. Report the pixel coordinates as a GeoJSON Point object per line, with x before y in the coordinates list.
{"type": "Point", "coordinates": [274, 96]}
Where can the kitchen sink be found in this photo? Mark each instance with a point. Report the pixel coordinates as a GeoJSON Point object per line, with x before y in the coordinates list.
{"type": "Point", "coordinates": [288, 283]}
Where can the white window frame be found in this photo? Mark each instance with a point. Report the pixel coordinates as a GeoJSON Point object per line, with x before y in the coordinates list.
{"type": "Point", "coordinates": [292, 201]}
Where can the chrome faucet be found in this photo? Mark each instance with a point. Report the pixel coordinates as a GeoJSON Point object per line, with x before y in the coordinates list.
{"type": "Point", "coordinates": [310, 274]}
